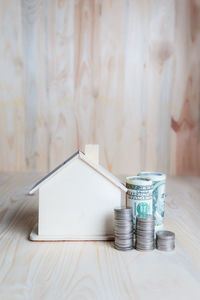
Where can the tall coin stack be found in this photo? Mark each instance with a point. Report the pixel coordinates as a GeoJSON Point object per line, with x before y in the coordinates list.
{"type": "Point", "coordinates": [165, 240]}
{"type": "Point", "coordinates": [145, 231]}
{"type": "Point", "coordinates": [123, 228]}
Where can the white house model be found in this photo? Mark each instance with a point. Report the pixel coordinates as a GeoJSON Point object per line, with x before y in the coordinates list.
{"type": "Point", "coordinates": [76, 200]}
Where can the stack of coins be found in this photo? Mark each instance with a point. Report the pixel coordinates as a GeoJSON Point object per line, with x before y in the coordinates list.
{"type": "Point", "coordinates": [123, 224]}
{"type": "Point", "coordinates": [145, 231]}
{"type": "Point", "coordinates": [165, 240]}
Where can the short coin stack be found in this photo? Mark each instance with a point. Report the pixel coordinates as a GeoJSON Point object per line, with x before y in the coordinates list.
{"type": "Point", "coordinates": [165, 240]}
{"type": "Point", "coordinates": [145, 231]}
{"type": "Point", "coordinates": [123, 224]}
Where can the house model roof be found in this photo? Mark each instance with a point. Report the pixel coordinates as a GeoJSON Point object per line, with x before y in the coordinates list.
{"type": "Point", "coordinates": [83, 157]}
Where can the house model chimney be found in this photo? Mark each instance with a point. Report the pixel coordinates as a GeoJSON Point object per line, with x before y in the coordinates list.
{"type": "Point", "coordinates": [92, 152]}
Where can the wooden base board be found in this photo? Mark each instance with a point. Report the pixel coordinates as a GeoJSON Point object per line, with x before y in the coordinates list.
{"type": "Point", "coordinates": [56, 238]}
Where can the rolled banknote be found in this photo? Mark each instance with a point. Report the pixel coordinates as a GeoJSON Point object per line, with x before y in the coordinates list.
{"type": "Point", "coordinates": [159, 182]}
{"type": "Point", "coordinates": [139, 195]}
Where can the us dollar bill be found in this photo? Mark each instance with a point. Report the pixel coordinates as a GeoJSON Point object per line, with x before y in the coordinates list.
{"type": "Point", "coordinates": [139, 195]}
{"type": "Point", "coordinates": [159, 183]}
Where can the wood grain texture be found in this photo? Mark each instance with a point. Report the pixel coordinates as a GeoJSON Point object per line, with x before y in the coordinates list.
{"type": "Point", "coordinates": [12, 116]}
{"type": "Point", "coordinates": [95, 270]}
{"type": "Point", "coordinates": [185, 119]}
{"type": "Point", "coordinates": [123, 74]}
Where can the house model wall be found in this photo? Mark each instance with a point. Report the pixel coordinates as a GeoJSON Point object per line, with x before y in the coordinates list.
{"type": "Point", "coordinates": [76, 201]}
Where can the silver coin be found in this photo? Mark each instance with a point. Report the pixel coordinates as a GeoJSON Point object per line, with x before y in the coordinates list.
{"type": "Point", "coordinates": [147, 242]}
{"type": "Point", "coordinates": [123, 215]}
{"type": "Point", "coordinates": [118, 239]}
{"type": "Point", "coordinates": [145, 227]}
{"type": "Point", "coordinates": [165, 246]}
{"type": "Point", "coordinates": [142, 242]}
{"type": "Point", "coordinates": [123, 221]}
{"type": "Point", "coordinates": [145, 236]}
{"type": "Point", "coordinates": [144, 249]}
{"type": "Point", "coordinates": [128, 238]}
{"type": "Point", "coordinates": [127, 212]}
{"type": "Point", "coordinates": [123, 228]}
{"type": "Point", "coordinates": [124, 237]}
{"type": "Point", "coordinates": [145, 245]}
{"type": "Point", "coordinates": [145, 218]}
{"type": "Point", "coordinates": [166, 249]}
{"type": "Point", "coordinates": [165, 234]}
{"type": "Point", "coordinates": [124, 224]}
{"type": "Point", "coordinates": [128, 219]}
{"type": "Point", "coordinates": [127, 245]}
{"type": "Point", "coordinates": [149, 230]}
{"type": "Point", "coordinates": [130, 233]}
{"type": "Point", "coordinates": [145, 232]}
{"type": "Point", "coordinates": [123, 248]}
{"type": "Point", "coordinates": [123, 242]}
{"type": "Point", "coordinates": [119, 224]}
{"type": "Point", "coordinates": [169, 242]}
{"type": "Point", "coordinates": [138, 222]}
{"type": "Point", "coordinates": [144, 223]}
{"type": "Point", "coordinates": [123, 232]}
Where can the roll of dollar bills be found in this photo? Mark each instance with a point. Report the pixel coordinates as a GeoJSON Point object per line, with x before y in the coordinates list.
{"type": "Point", "coordinates": [159, 182]}
{"type": "Point", "coordinates": [139, 195]}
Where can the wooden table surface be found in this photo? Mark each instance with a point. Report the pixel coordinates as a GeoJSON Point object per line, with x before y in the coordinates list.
{"type": "Point", "coordinates": [95, 270]}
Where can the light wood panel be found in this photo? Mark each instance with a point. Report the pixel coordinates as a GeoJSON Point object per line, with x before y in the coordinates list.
{"type": "Point", "coordinates": [185, 118]}
{"type": "Point", "coordinates": [124, 74]}
{"type": "Point", "coordinates": [12, 116]}
{"type": "Point", "coordinates": [95, 270]}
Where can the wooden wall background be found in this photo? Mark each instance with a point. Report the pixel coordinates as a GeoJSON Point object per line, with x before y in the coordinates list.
{"type": "Point", "coordinates": [121, 73]}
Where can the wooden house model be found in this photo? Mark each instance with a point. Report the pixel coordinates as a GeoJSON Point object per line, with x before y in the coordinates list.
{"type": "Point", "coordinates": [76, 200]}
